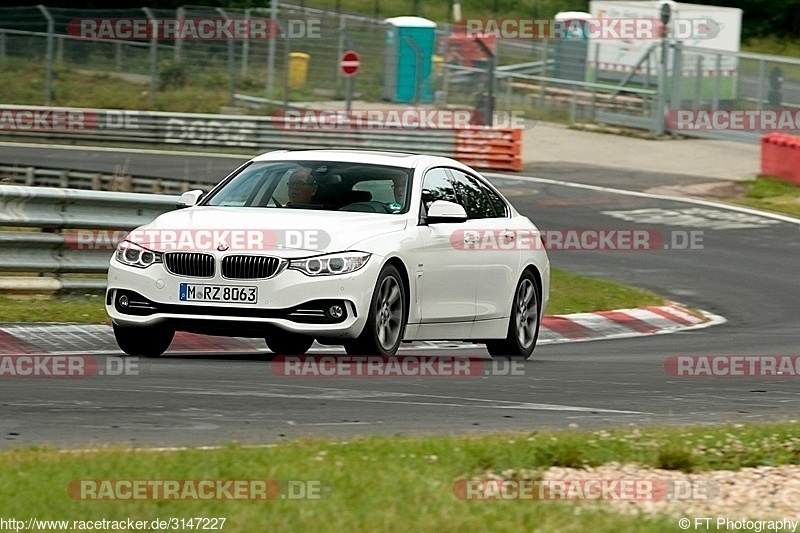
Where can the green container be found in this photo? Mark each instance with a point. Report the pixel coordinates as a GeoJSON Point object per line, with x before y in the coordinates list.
{"type": "Point", "coordinates": [409, 60]}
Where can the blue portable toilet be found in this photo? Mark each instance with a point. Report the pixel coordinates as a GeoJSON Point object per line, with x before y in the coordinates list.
{"type": "Point", "coordinates": [409, 59]}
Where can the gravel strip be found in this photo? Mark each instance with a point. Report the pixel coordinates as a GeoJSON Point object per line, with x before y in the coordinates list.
{"type": "Point", "coordinates": [759, 493]}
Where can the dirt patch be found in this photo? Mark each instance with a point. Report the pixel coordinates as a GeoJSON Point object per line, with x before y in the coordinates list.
{"type": "Point", "coordinates": [715, 190]}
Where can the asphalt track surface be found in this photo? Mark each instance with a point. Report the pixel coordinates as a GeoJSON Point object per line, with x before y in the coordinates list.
{"type": "Point", "coordinates": [747, 275]}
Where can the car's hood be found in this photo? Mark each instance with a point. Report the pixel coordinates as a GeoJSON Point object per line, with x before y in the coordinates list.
{"type": "Point", "coordinates": [260, 229]}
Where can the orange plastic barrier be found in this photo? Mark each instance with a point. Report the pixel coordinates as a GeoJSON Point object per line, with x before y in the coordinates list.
{"type": "Point", "coordinates": [780, 156]}
{"type": "Point", "coordinates": [490, 148]}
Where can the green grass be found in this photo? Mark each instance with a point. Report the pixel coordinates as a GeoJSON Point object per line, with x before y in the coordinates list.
{"type": "Point", "coordinates": [773, 46]}
{"type": "Point", "coordinates": [575, 293]}
{"type": "Point", "coordinates": [772, 194]}
{"type": "Point", "coordinates": [84, 308]}
{"type": "Point", "coordinates": [388, 483]}
{"type": "Point", "coordinates": [570, 293]}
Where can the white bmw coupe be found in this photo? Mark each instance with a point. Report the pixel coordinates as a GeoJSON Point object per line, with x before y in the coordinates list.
{"type": "Point", "coordinates": [355, 248]}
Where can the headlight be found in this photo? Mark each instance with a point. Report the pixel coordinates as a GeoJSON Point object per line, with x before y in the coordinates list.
{"type": "Point", "coordinates": [131, 254]}
{"type": "Point", "coordinates": [330, 265]}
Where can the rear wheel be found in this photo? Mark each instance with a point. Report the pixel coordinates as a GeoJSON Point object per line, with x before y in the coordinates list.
{"type": "Point", "coordinates": [150, 341]}
{"type": "Point", "coordinates": [386, 318]}
{"type": "Point", "coordinates": [285, 343]}
{"type": "Point", "coordinates": [523, 324]}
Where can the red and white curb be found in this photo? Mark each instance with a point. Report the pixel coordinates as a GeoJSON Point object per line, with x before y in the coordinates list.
{"type": "Point", "coordinates": [20, 339]}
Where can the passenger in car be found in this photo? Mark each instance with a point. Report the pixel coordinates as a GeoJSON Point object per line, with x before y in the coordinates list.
{"type": "Point", "coordinates": [399, 189]}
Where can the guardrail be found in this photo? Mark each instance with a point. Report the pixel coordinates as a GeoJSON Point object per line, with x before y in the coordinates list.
{"type": "Point", "coordinates": [191, 130]}
{"type": "Point", "coordinates": [95, 181]}
{"type": "Point", "coordinates": [54, 252]}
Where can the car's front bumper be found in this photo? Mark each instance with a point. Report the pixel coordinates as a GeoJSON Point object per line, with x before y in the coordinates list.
{"type": "Point", "coordinates": [290, 301]}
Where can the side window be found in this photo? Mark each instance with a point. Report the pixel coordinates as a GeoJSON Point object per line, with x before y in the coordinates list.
{"type": "Point", "coordinates": [473, 196]}
{"type": "Point", "coordinates": [500, 208]}
{"type": "Point", "coordinates": [437, 186]}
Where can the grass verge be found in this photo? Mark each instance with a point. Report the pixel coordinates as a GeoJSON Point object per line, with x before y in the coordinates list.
{"type": "Point", "coordinates": [387, 483]}
{"type": "Point", "coordinates": [772, 194]}
{"type": "Point", "coordinates": [570, 293]}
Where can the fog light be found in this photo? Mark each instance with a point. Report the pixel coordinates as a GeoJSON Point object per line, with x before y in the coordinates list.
{"type": "Point", "coordinates": [335, 311]}
{"type": "Point", "coordinates": [123, 301]}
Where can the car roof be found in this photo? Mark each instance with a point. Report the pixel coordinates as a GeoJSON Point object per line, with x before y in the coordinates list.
{"type": "Point", "coordinates": [377, 157]}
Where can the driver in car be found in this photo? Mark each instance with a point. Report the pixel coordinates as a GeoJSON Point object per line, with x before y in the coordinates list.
{"type": "Point", "coordinates": [301, 188]}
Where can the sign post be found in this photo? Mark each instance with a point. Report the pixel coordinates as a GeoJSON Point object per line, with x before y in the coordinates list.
{"type": "Point", "coordinates": [349, 64]}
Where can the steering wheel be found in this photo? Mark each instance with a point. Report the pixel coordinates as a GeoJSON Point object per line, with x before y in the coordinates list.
{"type": "Point", "coordinates": [367, 207]}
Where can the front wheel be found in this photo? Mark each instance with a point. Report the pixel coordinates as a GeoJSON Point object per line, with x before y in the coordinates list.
{"type": "Point", "coordinates": [523, 324]}
{"type": "Point", "coordinates": [149, 341]}
{"type": "Point", "coordinates": [284, 343]}
{"type": "Point", "coordinates": [386, 318]}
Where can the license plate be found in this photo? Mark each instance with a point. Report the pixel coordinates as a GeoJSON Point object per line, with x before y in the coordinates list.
{"type": "Point", "coordinates": [192, 292]}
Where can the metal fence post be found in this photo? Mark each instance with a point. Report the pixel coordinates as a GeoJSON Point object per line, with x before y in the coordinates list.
{"type": "Point", "coordinates": [288, 51]}
{"type": "Point", "coordinates": [231, 64]}
{"type": "Point", "coordinates": [2, 45]}
{"type": "Point", "coordinates": [762, 74]}
{"type": "Point", "coordinates": [661, 108]}
{"type": "Point", "coordinates": [153, 57]}
{"type": "Point", "coordinates": [677, 76]}
{"type": "Point", "coordinates": [340, 51]}
{"type": "Point", "coordinates": [595, 78]}
{"type": "Point", "coordinates": [717, 76]}
{"type": "Point", "coordinates": [246, 45]}
{"type": "Point", "coordinates": [542, 89]}
{"type": "Point", "coordinates": [118, 56]}
{"type": "Point", "coordinates": [273, 15]}
{"type": "Point", "coordinates": [698, 84]}
{"type": "Point", "coordinates": [48, 73]}
{"type": "Point", "coordinates": [177, 56]}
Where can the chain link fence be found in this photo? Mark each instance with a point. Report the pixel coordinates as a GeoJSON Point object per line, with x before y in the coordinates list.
{"type": "Point", "coordinates": [566, 79]}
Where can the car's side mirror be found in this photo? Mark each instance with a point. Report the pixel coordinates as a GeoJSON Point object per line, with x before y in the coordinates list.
{"type": "Point", "coordinates": [443, 211]}
{"type": "Point", "coordinates": [189, 198]}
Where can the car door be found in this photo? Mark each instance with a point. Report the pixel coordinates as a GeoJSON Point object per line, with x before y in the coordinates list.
{"type": "Point", "coordinates": [446, 277]}
{"type": "Point", "coordinates": [493, 245]}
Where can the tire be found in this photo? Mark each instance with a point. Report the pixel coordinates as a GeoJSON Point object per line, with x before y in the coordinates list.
{"type": "Point", "coordinates": [151, 341]}
{"type": "Point", "coordinates": [386, 317]}
{"type": "Point", "coordinates": [285, 343]}
{"type": "Point", "coordinates": [523, 323]}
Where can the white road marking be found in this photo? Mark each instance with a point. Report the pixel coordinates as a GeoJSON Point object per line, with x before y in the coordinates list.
{"type": "Point", "coordinates": [351, 395]}
{"type": "Point", "coordinates": [695, 201]}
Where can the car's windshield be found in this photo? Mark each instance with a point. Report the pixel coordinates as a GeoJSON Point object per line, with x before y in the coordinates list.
{"type": "Point", "coordinates": [322, 185]}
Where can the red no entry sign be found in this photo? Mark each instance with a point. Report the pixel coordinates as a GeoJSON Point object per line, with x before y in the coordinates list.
{"type": "Point", "coordinates": [349, 63]}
